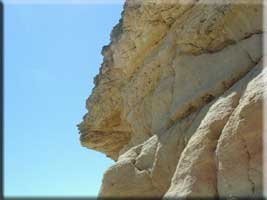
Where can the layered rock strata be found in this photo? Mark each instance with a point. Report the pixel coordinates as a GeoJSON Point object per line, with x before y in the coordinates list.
{"type": "Point", "coordinates": [178, 102]}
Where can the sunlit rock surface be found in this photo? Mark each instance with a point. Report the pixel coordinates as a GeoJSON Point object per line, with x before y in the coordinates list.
{"type": "Point", "coordinates": [178, 101]}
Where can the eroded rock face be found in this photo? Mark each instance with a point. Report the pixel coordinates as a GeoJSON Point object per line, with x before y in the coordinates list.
{"type": "Point", "coordinates": [178, 102]}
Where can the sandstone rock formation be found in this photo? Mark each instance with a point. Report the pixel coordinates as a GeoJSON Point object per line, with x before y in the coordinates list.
{"type": "Point", "coordinates": [178, 102]}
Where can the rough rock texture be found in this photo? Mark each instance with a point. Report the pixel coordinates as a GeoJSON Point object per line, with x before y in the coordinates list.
{"type": "Point", "coordinates": [178, 101]}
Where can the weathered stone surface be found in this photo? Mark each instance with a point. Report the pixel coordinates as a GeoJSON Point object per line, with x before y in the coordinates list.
{"type": "Point", "coordinates": [178, 100]}
{"type": "Point", "coordinates": [125, 179]}
{"type": "Point", "coordinates": [196, 172]}
{"type": "Point", "coordinates": [239, 149]}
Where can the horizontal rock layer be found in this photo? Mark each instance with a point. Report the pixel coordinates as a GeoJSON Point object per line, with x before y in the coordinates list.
{"type": "Point", "coordinates": [178, 101]}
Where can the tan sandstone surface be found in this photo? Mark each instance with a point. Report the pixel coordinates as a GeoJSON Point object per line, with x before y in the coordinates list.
{"type": "Point", "coordinates": [178, 102]}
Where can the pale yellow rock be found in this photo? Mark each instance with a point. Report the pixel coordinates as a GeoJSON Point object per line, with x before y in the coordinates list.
{"type": "Point", "coordinates": [166, 104]}
{"type": "Point", "coordinates": [196, 172]}
{"type": "Point", "coordinates": [150, 48]}
{"type": "Point", "coordinates": [130, 176]}
{"type": "Point", "coordinates": [146, 157]}
{"type": "Point", "coordinates": [156, 158]}
{"type": "Point", "coordinates": [198, 79]}
{"type": "Point", "coordinates": [125, 180]}
{"type": "Point", "coordinates": [239, 149]}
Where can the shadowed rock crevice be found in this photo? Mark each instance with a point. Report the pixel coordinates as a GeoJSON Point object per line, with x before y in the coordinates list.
{"type": "Point", "coordinates": [249, 168]}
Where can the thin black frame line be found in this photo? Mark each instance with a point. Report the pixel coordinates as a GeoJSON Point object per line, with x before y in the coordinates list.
{"type": "Point", "coordinates": [2, 142]}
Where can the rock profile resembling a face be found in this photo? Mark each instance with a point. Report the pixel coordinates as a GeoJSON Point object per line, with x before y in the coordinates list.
{"type": "Point", "coordinates": [178, 102]}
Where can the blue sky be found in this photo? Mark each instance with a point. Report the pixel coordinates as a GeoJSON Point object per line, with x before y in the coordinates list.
{"type": "Point", "coordinates": [52, 53]}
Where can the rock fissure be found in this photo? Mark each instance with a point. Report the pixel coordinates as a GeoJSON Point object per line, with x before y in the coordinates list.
{"type": "Point", "coordinates": [250, 180]}
{"type": "Point", "coordinates": [255, 62]}
{"type": "Point", "coordinates": [226, 44]}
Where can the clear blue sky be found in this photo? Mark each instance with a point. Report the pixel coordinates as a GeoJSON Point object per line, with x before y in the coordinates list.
{"type": "Point", "coordinates": [52, 53]}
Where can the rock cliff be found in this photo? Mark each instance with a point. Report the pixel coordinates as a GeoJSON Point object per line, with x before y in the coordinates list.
{"type": "Point", "coordinates": [178, 102]}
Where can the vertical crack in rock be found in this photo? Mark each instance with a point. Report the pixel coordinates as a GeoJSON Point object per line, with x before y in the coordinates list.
{"type": "Point", "coordinates": [235, 163]}
{"type": "Point", "coordinates": [248, 164]}
{"type": "Point", "coordinates": [255, 62]}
